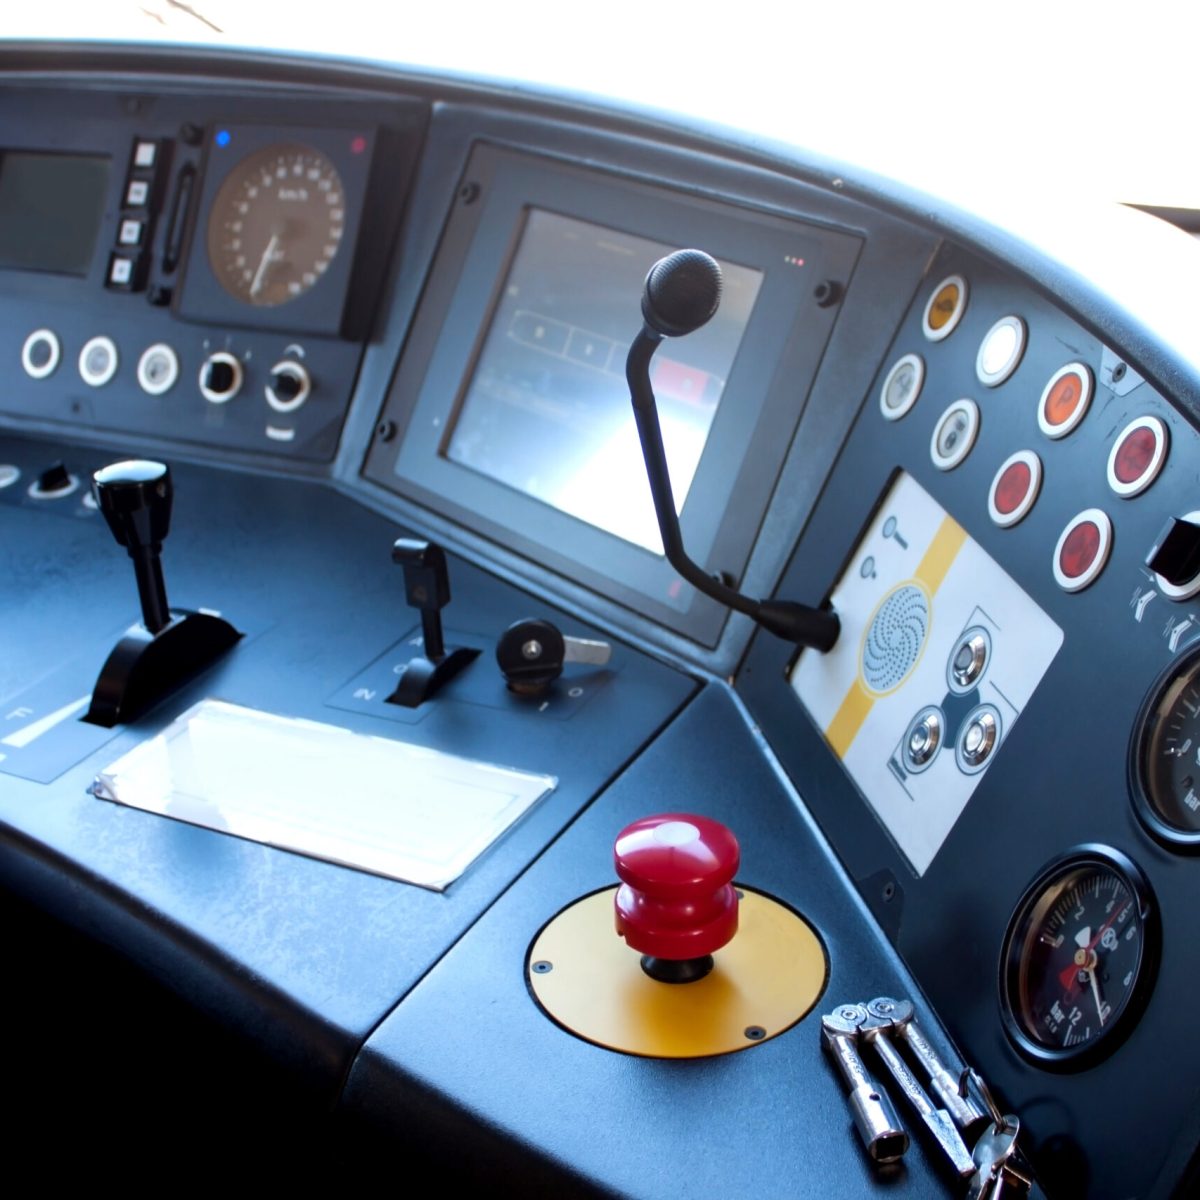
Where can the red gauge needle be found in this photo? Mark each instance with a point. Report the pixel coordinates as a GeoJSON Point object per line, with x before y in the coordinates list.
{"type": "Point", "coordinates": [1068, 977]}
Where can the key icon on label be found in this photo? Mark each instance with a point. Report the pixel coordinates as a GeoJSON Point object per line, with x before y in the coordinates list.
{"type": "Point", "coordinates": [891, 530]}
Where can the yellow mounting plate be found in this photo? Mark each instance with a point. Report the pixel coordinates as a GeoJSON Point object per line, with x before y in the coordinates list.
{"type": "Point", "coordinates": [588, 980]}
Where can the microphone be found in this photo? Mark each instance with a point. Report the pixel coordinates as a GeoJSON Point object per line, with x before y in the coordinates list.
{"type": "Point", "coordinates": [682, 293]}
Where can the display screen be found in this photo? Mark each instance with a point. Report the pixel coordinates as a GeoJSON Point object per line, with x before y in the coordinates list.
{"type": "Point", "coordinates": [51, 206]}
{"type": "Point", "coordinates": [546, 409]}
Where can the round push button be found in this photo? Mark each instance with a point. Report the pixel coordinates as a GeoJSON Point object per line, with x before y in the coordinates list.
{"type": "Point", "coordinates": [969, 659]}
{"type": "Point", "coordinates": [902, 387]}
{"type": "Point", "coordinates": [1137, 456]}
{"type": "Point", "coordinates": [954, 434]}
{"type": "Point", "coordinates": [1000, 351]}
{"type": "Point", "coordinates": [945, 308]}
{"type": "Point", "coordinates": [1015, 488]}
{"type": "Point", "coordinates": [41, 353]}
{"type": "Point", "coordinates": [1082, 549]}
{"type": "Point", "coordinates": [158, 369]}
{"type": "Point", "coordinates": [98, 361]}
{"type": "Point", "coordinates": [1065, 400]}
{"type": "Point", "coordinates": [923, 738]}
{"type": "Point", "coordinates": [978, 738]}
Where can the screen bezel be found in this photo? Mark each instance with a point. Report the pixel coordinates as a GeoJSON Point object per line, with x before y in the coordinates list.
{"type": "Point", "coordinates": [750, 434]}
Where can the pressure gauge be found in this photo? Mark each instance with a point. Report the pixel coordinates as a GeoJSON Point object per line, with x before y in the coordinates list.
{"type": "Point", "coordinates": [1164, 772]}
{"type": "Point", "coordinates": [1078, 958]}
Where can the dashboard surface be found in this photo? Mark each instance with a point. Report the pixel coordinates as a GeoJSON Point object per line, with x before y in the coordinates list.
{"type": "Point", "coordinates": [331, 299]}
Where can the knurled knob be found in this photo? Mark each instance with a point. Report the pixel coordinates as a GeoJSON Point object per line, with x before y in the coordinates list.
{"type": "Point", "coordinates": [677, 900]}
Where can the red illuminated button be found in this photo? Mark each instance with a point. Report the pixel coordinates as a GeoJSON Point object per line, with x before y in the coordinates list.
{"type": "Point", "coordinates": [1137, 456]}
{"type": "Point", "coordinates": [1015, 488]}
{"type": "Point", "coordinates": [1082, 549]}
{"type": "Point", "coordinates": [1065, 400]}
{"type": "Point", "coordinates": [676, 900]}
{"type": "Point", "coordinates": [945, 308]}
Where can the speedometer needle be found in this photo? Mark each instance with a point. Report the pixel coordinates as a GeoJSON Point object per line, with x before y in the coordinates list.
{"type": "Point", "coordinates": [269, 256]}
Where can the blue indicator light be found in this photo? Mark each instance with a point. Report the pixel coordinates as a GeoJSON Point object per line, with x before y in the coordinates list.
{"type": "Point", "coordinates": [223, 137]}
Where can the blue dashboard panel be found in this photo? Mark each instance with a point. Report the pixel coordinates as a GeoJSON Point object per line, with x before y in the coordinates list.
{"type": "Point", "coordinates": [344, 1022]}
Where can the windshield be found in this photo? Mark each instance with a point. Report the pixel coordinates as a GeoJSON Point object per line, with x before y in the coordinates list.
{"type": "Point", "coordinates": [1052, 98]}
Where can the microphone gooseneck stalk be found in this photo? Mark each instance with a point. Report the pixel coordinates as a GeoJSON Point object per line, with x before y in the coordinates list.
{"type": "Point", "coordinates": [682, 293]}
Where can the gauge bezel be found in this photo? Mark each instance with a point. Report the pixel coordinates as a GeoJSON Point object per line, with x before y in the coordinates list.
{"type": "Point", "coordinates": [326, 307]}
{"type": "Point", "coordinates": [1088, 1053]}
{"type": "Point", "coordinates": [1143, 729]}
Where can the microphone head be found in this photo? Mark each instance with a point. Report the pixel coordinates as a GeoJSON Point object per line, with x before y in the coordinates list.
{"type": "Point", "coordinates": [682, 292]}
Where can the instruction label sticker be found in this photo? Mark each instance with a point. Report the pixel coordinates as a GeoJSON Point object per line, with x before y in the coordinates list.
{"type": "Point", "coordinates": [939, 653]}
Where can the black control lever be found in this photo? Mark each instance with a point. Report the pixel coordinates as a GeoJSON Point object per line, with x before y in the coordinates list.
{"type": "Point", "coordinates": [427, 588]}
{"type": "Point", "coordinates": [682, 293]}
{"type": "Point", "coordinates": [167, 648]}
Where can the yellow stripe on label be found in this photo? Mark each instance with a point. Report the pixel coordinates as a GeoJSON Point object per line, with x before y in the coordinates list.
{"type": "Point", "coordinates": [931, 571]}
{"type": "Point", "coordinates": [848, 719]}
{"type": "Point", "coordinates": [943, 550]}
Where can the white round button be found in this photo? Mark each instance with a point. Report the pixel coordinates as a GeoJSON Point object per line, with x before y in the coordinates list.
{"type": "Point", "coordinates": [954, 434]}
{"type": "Point", "coordinates": [1000, 351]}
{"type": "Point", "coordinates": [41, 353]}
{"type": "Point", "coordinates": [158, 369]}
{"type": "Point", "coordinates": [9, 474]}
{"type": "Point", "coordinates": [98, 361]}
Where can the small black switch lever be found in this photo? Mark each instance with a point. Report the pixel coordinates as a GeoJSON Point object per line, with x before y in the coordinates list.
{"type": "Point", "coordinates": [135, 499]}
{"type": "Point", "coordinates": [167, 648]}
{"type": "Point", "coordinates": [427, 588]}
{"type": "Point", "coordinates": [531, 654]}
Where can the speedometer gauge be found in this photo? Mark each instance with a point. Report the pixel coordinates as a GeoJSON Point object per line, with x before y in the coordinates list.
{"type": "Point", "coordinates": [276, 224]}
{"type": "Point", "coordinates": [1078, 958]}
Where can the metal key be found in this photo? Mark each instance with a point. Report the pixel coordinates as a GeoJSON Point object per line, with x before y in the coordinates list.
{"type": "Point", "coordinates": [904, 1029]}
{"type": "Point", "coordinates": [937, 1120]}
{"type": "Point", "coordinates": [999, 1171]}
{"type": "Point", "coordinates": [878, 1126]}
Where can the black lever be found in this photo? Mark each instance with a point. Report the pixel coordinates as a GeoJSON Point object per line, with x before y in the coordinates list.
{"type": "Point", "coordinates": [167, 648]}
{"type": "Point", "coordinates": [682, 293]}
{"type": "Point", "coordinates": [427, 588]}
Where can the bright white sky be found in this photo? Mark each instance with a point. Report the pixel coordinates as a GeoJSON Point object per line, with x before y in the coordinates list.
{"type": "Point", "coordinates": [1031, 94]}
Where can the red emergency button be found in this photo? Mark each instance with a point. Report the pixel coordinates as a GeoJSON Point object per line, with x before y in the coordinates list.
{"type": "Point", "coordinates": [677, 900]}
{"type": "Point", "coordinates": [1065, 400]}
{"type": "Point", "coordinates": [1015, 488]}
{"type": "Point", "coordinates": [1082, 549]}
{"type": "Point", "coordinates": [1137, 456]}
